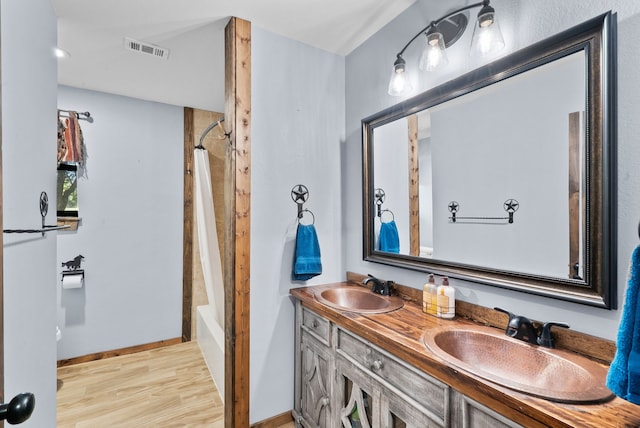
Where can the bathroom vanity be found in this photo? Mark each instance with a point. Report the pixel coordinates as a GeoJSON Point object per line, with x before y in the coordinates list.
{"type": "Point", "coordinates": [374, 370]}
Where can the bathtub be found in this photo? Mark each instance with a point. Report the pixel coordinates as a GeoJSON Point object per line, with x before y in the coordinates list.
{"type": "Point", "coordinates": [210, 337]}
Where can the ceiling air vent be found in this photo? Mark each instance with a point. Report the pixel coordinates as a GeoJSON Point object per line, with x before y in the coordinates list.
{"type": "Point", "coordinates": [146, 48]}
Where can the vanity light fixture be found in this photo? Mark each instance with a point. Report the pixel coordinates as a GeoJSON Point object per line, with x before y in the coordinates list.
{"type": "Point", "coordinates": [487, 37]}
{"type": "Point", "coordinates": [441, 34]}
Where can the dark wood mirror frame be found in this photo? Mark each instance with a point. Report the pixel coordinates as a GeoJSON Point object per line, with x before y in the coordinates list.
{"type": "Point", "coordinates": [597, 39]}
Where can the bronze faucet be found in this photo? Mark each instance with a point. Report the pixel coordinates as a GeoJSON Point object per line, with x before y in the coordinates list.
{"type": "Point", "coordinates": [379, 286]}
{"type": "Point", "coordinates": [520, 327]}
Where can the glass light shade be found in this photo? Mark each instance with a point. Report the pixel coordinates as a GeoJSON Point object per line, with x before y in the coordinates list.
{"type": "Point", "coordinates": [487, 37]}
{"type": "Point", "coordinates": [434, 54]}
{"type": "Point", "coordinates": [399, 83]}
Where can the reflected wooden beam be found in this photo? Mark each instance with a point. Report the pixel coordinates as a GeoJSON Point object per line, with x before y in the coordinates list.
{"type": "Point", "coordinates": [574, 194]}
{"type": "Point", "coordinates": [238, 221]}
{"type": "Point", "coordinates": [414, 187]}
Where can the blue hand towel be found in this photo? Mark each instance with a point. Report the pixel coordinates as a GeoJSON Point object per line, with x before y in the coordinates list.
{"type": "Point", "coordinates": [389, 241]}
{"type": "Point", "coordinates": [306, 262]}
{"type": "Point", "coordinates": [623, 378]}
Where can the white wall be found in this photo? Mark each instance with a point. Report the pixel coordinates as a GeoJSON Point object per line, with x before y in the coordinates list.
{"type": "Point", "coordinates": [131, 231]}
{"type": "Point", "coordinates": [297, 138]}
{"type": "Point", "coordinates": [522, 23]}
{"type": "Point", "coordinates": [28, 168]}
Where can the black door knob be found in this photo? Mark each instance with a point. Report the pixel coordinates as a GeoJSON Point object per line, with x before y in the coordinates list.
{"type": "Point", "coordinates": [19, 408]}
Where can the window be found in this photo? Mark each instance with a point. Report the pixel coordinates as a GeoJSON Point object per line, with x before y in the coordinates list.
{"type": "Point", "coordinates": [67, 190]}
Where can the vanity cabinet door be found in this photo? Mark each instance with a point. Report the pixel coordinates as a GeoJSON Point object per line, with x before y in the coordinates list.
{"type": "Point", "coordinates": [356, 399]}
{"type": "Point", "coordinates": [364, 402]}
{"type": "Point", "coordinates": [316, 377]}
{"type": "Point", "coordinates": [471, 414]}
{"type": "Point", "coordinates": [412, 396]}
{"type": "Point", "coordinates": [398, 412]}
{"type": "Point", "coordinates": [314, 370]}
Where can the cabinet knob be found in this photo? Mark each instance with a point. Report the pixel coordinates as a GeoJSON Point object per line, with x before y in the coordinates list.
{"type": "Point", "coordinates": [315, 324]}
{"type": "Point", "coordinates": [377, 365]}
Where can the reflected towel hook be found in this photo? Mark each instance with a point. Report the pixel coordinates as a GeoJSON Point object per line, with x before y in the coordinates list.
{"type": "Point", "coordinates": [393, 217]}
{"type": "Point", "coordinates": [379, 197]}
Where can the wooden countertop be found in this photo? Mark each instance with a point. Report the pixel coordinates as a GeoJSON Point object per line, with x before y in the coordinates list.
{"type": "Point", "coordinates": [399, 333]}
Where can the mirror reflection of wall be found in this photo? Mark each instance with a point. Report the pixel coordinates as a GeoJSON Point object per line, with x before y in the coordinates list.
{"type": "Point", "coordinates": [391, 166]}
{"type": "Point", "coordinates": [518, 148]}
{"type": "Point", "coordinates": [506, 140]}
{"type": "Point", "coordinates": [425, 160]}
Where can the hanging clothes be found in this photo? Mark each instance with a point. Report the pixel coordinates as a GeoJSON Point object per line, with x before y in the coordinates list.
{"type": "Point", "coordinates": [62, 142]}
{"type": "Point", "coordinates": [73, 140]}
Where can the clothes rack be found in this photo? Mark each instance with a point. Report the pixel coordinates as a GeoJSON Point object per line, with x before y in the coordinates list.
{"type": "Point", "coordinates": [84, 115]}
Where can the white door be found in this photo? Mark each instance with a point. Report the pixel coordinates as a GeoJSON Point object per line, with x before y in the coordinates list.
{"type": "Point", "coordinates": [29, 91]}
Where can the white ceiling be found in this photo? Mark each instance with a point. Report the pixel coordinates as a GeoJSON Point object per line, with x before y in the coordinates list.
{"type": "Point", "coordinates": [193, 30]}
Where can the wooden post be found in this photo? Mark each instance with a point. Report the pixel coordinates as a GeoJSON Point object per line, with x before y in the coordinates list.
{"type": "Point", "coordinates": [237, 236]}
{"type": "Point", "coordinates": [187, 228]}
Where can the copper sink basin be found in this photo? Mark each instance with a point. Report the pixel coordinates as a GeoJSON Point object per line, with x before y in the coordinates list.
{"type": "Point", "coordinates": [547, 373]}
{"type": "Point", "coordinates": [358, 299]}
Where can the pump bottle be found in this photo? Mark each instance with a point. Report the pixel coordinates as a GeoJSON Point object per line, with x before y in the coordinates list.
{"type": "Point", "coordinates": [446, 300]}
{"type": "Point", "coordinates": [429, 296]}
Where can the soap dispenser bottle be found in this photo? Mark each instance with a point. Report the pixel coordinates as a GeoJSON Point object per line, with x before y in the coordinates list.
{"type": "Point", "coordinates": [446, 300]}
{"type": "Point", "coordinates": [429, 296]}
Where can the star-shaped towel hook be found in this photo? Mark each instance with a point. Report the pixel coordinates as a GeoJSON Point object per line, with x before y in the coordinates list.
{"type": "Point", "coordinates": [300, 193]}
{"type": "Point", "coordinates": [511, 205]}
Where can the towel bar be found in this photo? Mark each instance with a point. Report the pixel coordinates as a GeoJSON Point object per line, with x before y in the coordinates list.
{"type": "Point", "coordinates": [44, 208]}
{"type": "Point", "coordinates": [510, 206]}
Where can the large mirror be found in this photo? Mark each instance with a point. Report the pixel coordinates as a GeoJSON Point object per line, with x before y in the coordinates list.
{"type": "Point", "coordinates": [506, 175]}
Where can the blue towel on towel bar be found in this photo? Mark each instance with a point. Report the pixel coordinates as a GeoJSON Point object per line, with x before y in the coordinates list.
{"type": "Point", "coordinates": [623, 378]}
{"type": "Point", "coordinates": [389, 241]}
{"type": "Point", "coordinates": [306, 263]}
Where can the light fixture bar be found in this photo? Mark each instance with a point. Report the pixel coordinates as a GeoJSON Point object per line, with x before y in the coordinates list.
{"type": "Point", "coordinates": [486, 41]}
{"type": "Point", "coordinates": [438, 21]}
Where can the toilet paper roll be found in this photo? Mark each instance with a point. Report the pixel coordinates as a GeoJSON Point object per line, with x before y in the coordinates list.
{"type": "Point", "coordinates": [72, 281]}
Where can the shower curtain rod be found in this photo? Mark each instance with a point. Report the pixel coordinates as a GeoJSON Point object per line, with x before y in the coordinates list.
{"type": "Point", "coordinates": [209, 128]}
{"type": "Point", "coordinates": [82, 115]}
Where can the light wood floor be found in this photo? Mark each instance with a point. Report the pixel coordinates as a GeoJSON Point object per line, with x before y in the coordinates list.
{"type": "Point", "coordinates": [165, 387]}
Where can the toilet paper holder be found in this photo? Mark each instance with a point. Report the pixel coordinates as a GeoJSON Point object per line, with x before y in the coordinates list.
{"type": "Point", "coordinates": [73, 268]}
